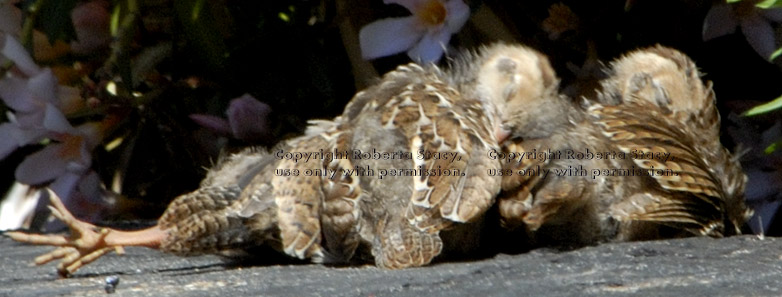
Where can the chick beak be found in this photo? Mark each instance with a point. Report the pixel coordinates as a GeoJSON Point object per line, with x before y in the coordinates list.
{"type": "Point", "coordinates": [501, 133]}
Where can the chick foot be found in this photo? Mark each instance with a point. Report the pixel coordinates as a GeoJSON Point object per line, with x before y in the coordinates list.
{"type": "Point", "coordinates": [87, 242]}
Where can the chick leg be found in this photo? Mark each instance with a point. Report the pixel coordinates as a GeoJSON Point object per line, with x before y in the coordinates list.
{"type": "Point", "coordinates": [87, 242]}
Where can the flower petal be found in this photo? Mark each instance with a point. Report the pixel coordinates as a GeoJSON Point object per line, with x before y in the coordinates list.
{"type": "Point", "coordinates": [29, 128]}
{"type": "Point", "coordinates": [458, 14]}
{"type": "Point", "coordinates": [41, 166]}
{"type": "Point", "coordinates": [84, 161]}
{"type": "Point", "coordinates": [91, 22]}
{"type": "Point", "coordinates": [15, 94]}
{"type": "Point", "coordinates": [389, 36]}
{"type": "Point", "coordinates": [43, 87]}
{"type": "Point", "coordinates": [719, 22]}
{"type": "Point", "coordinates": [64, 186]}
{"type": "Point", "coordinates": [17, 206]}
{"type": "Point", "coordinates": [55, 121]}
{"type": "Point", "coordinates": [14, 51]}
{"type": "Point", "coordinates": [248, 118]}
{"type": "Point", "coordinates": [760, 36]}
{"type": "Point", "coordinates": [90, 187]}
{"type": "Point", "coordinates": [9, 143]}
{"type": "Point", "coordinates": [213, 123]}
{"type": "Point", "coordinates": [773, 14]}
{"type": "Point", "coordinates": [430, 48]}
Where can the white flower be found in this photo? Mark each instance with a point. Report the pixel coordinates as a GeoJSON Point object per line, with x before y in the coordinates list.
{"type": "Point", "coordinates": [38, 104]}
{"type": "Point", "coordinates": [70, 153]}
{"type": "Point", "coordinates": [755, 22]}
{"type": "Point", "coordinates": [18, 205]}
{"type": "Point", "coordinates": [64, 164]}
{"type": "Point", "coordinates": [423, 35]}
{"type": "Point", "coordinates": [35, 97]}
{"type": "Point", "coordinates": [37, 101]}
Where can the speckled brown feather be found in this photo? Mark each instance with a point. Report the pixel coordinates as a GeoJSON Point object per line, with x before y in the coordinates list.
{"type": "Point", "coordinates": [342, 195]}
{"type": "Point", "coordinates": [649, 131]}
{"type": "Point", "coordinates": [196, 224]}
{"type": "Point", "coordinates": [299, 200]}
{"type": "Point", "coordinates": [516, 200]}
{"type": "Point", "coordinates": [231, 212]}
{"type": "Point", "coordinates": [414, 110]}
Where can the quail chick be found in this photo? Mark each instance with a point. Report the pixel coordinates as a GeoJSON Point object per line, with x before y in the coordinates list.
{"type": "Point", "coordinates": [442, 182]}
{"type": "Point", "coordinates": [683, 121]}
{"type": "Point", "coordinates": [653, 103]}
{"type": "Point", "coordinates": [404, 163]}
{"type": "Point", "coordinates": [437, 125]}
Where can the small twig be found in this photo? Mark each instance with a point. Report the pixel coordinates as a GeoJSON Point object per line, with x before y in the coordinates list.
{"type": "Point", "coordinates": [120, 58]}
{"type": "Point", "coordinates": [363, 71]}
{"type": "Point", "coordinates": [29, 25]}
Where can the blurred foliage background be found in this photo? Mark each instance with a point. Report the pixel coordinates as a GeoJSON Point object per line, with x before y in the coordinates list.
{"type": "Point", "coordinates": [143, 68]}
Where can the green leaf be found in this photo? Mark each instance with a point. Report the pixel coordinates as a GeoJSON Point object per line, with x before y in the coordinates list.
{"type": "Point", "coordinates": [775, 54]}
{"type": "Point", "coordinates": [52, 17]}
{"type": "Point", "coordinates": [766, 4]}
{"type": "Point", "coordinates": [765, 107]}
{"type": "Point", "coordinates": [773, 147]}
{"type": "Point", "coordinates": [116, 16]}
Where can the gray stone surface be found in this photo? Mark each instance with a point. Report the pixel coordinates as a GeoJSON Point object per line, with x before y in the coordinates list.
{"type": "Point", "coordinates": [737, 266]}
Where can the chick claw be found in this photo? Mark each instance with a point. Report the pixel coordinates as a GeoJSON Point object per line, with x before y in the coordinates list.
{"type": "Point", "coordinates": [85, 244]}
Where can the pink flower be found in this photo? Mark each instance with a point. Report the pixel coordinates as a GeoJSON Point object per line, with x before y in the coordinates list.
{"type": "Point", "coordinates": [247, 120]}
{"type": "Point", "coordinates": [35, 97]}
{"type": "Point", "coordinates": [68, 157]}
{"type": "Point", "coordinates": [424, 35]}
{"type": "Point", "coordinates": [755, 22]}
{"type": "Point", "coordinates": [91, 22]}
{"type": "Point", "coordinates": [64, 166]}
{"type": "Point", "coordinates": [14, 51]}
{"type": "Point", "coordinates": [37, 101]}
{"type": "Point", "coordinates": [38, 104]}
{"type": "Point", "coordinates": [10, 18]}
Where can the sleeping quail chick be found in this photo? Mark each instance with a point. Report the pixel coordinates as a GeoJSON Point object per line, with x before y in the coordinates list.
{"type": "Point", "coordinates": [544, 126]}
{"type": "Point", "coordinates": [521, 83]}
{"type": "Point", "coordinates": [653, 102]}
{"type": "Point", "coordinates": [684, 121]}
{"type": "Point", "coordinates": [404, 163]}
{"type": "Point", "coordinates": [446, 121]}
{"type": "Point", "coordinates": [535, 119]}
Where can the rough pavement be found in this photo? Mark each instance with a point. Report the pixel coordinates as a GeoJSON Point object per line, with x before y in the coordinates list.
{"type": "Point", "coordinates": [737, 266]}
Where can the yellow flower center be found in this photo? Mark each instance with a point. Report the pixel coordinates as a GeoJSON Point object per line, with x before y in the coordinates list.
{"type": "Point", "coordinates": [432, 12]}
